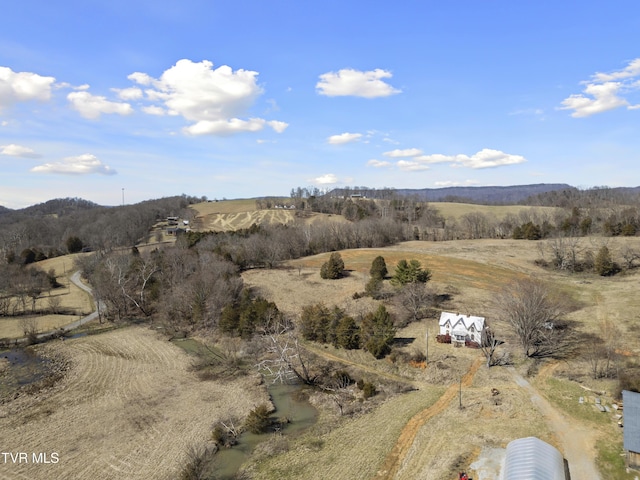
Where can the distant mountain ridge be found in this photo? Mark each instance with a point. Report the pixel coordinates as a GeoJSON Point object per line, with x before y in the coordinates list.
{"type": "Point", "coordinates": [512, 194]}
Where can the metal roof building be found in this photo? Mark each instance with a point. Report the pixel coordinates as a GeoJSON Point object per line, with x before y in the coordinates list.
{"type": "Point", "coordinates": [631, 434]}
{"type": "Point", "coordinates": [532, 459]}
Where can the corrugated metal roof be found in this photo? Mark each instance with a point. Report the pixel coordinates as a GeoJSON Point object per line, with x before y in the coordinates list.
{"type": "Point", "coordinates": [532, 459]}
{"type": "Point", "coordinates": [631, 401]}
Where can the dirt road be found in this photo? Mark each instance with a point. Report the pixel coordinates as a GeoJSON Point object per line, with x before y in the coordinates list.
{"type": "Point", "coordinates": [577, 442]}
{"type": "Point", "coordinates": [394, 460]}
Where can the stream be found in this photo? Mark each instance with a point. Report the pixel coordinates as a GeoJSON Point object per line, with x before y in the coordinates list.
{"type": "Point", "coordinates": [301, 415]}
{"type": "Point", "coordinates": [288, 404]}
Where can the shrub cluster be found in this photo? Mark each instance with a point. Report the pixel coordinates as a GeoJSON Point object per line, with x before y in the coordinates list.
{"type": "Point", "coordinates": [243, 318]}
{"type": "Point", "coordinates": [375, 333]}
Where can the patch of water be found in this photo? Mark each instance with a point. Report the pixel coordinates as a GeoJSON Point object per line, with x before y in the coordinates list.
{"type": "Point", "coordinates": [286, 400]}
{"type": "Point", "coordinates": [300, 414]}
{"type": "Point", "coordinates": [24, 367]}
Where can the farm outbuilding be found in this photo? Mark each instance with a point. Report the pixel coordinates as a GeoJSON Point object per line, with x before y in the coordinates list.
{"type": "Point", "coordinates": [461, 328]}
{"type": "Point", "coordinates": [631, 435]}
{"type": "Point", "coordinates": [532, 459]}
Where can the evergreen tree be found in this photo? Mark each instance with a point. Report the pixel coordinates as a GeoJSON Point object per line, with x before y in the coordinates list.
{"type": "Point", "coordinates": [332, 268]}
{"type": "Point", "coordinates": [410, 272]}
{"type": "Point", "coordinates": [74, 244]}
{"type": "Point", "coordinates": [378, 332]}
{"type": "Point", "coordinates": [378, 268]}
{"type": "Point", "coordinates": [603, 264]}
{"type": "Point", "coordinates": [348, 334]}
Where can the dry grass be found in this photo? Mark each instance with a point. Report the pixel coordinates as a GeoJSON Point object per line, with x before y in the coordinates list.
{"type": "Point", "coordinates": [75, 302]}
{"type": "Point", "coordinates": [238, 214]}
{"type": "Point", "coordinates": [456, 210]}
{"type": "Point", "coordinates": [473, 270]}
{"type": "Point", "coordinates": [129, 407]}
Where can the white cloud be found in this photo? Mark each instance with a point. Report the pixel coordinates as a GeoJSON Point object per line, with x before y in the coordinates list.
{"type": "Point", "coordinates": [154, 110]}
{"type": "Point", "coordinates": [326, 179]}
{"type": "Point", "coordinates": [605, 91]}
{"type": "Point", "coordinates": [434, 158]}
{"type": "Point", "coordinates": [128, 94]}
{"type": "Point", "coordinates": [23, 86]}
{"type": "Point", "coordinates": [79, 165]}
{"type": "Point", "coordinates": [343, 138]}
{"type": "Point", "coordinates": [378, 163]}
{"type": "Point", "coordinates": [407, 152]}
{"type": "Point", "coordinates": [349, 82]}
{"type": "Point", "coordinates": [14, 150]}
{"type": "Point", "coordinates": [212, 99]}
{"type": "Point", "coordinates": [92, 106]}
{"type": "Point", "coordinates": [277, 125]}
{"type": "Point", "coordinates": [411, 166]}
{"type": "Point", "coordinates": [485, 158]}
{"type": "Point", "coordinates": [233, 126]}
{"type": "Point", "coordinates": [630, 71]}
{"type": "Point", "coordinates": [451, 183]}
{"type": "Point", "coordinates": [601, 97]}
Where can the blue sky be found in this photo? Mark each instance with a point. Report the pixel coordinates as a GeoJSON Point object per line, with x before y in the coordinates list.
{"type": "Point", "coordinates": [253, 98]}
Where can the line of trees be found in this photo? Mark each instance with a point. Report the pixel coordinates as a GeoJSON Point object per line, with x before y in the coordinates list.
{"type": "Point", "coordinates": [21, 287]}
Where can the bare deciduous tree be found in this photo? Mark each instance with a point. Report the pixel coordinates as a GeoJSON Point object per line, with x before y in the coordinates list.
{"type": "Point", "coordinates": [534, 312]}
{"type": "Point", "coordinates": [288, 360]}
{"type": "Point", "coordinates": [488, 345]}
{"type": "Point", "coordinates": [415, 298]}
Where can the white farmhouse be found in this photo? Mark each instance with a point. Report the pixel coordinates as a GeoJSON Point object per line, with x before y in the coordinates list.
{"type": "Point", "coordinates": [461, 327]}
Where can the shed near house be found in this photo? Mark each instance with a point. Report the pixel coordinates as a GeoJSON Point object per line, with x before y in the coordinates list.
{"type": "Point", "coordinates": [631, 434]}
{"type": "Point", "coordinates": [461, 328]}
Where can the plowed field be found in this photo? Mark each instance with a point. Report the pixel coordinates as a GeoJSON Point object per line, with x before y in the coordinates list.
{"type": "Point", "coordinates": [128, 408]}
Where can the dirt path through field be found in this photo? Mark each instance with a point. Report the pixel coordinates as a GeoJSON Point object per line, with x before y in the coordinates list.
{"type": "Point", "coordinates": [394, 459]}
{"type": "Point", "coordinates": [577, 441]}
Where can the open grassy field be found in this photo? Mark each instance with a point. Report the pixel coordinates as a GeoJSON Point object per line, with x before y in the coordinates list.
{"type": "Point", "coordinates": [128, 407]}
{"type": "Point", "coordinates": [74, 302]}
{"type": "Point", "coordinates": [473, 270]}
{"type": "Point", "coordinates": [129, 403]}
{"type": "Point", "coordinates": [238, 214]}
{"type": "Point", "coordinates": [456, 210]}
{"type": "Point", "coordinates": [242, 213]}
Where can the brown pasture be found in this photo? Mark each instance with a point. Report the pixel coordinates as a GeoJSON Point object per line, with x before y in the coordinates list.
{"type": "Point", "coordinates": [453, 438]}
{"type": "Point", "coordinates": [129, 406]}
{"type": "Point", "coordinates": [228, 215]}
{"type": "Point", "coordinates": [74, 301]}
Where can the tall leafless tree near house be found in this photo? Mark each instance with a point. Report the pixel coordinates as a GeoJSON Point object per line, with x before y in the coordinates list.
{"type": "Point", "coordinates": [534, 312]}
{"type": "Point", "coordinates": [488, 346]}
{"type": "Point", "coordinates": [415, 298]}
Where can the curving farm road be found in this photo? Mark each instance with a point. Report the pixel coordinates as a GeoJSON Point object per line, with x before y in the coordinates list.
{"type": "Point", "coordinates": [577, 441]}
